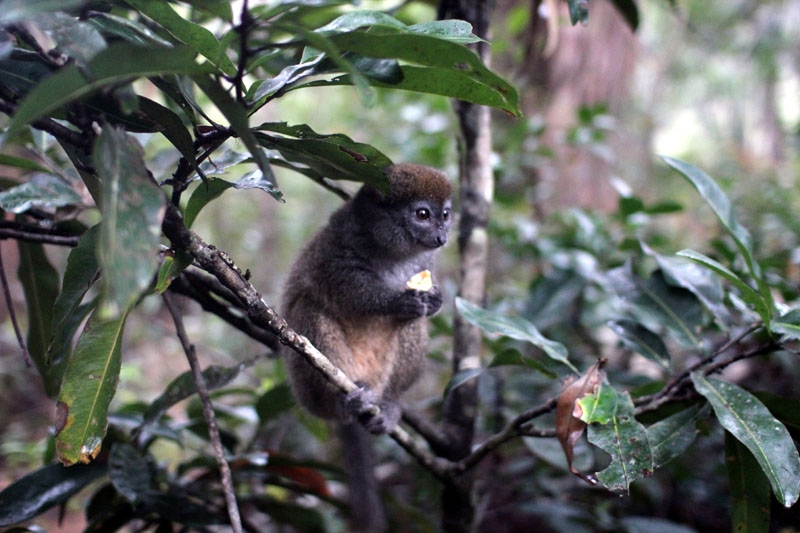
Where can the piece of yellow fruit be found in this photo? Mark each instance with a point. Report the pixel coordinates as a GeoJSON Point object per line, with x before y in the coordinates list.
{"type": "Point", "coordinates": [421, 281]}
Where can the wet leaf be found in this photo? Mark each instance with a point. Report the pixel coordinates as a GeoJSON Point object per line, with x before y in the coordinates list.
{"type": "Point", "coordinates": [274, 402]}
{"type": "Point", "coordinates": [133, 208]}
{"type": "Point", "coordinates": [746, 418]}
{"type": "Point", "coordinates": [34, 493]}
{"type": "Point", "coordinates": [569, 426]}
{"type": "Point", "coordinates": [90, 382]}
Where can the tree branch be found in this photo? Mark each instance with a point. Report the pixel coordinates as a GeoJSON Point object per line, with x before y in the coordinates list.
{"type": "Point", "coordinates": [208, 413]}
{"type": "Point", "coordinates": [52, 127]}
{"type": "Point", "coordinates": [31, 233]}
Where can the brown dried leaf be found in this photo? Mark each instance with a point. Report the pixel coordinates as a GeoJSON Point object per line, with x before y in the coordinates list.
{"type": "Point", "coordinates": [569, 426]}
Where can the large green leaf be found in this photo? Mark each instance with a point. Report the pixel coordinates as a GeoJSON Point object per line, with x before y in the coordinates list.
{"type": "Point", "coordinates": [697, 279]}
{"type": "Point", "coordinates": [435, 65]}
{"type": "Point", "coordinates": [40, 283]}
{"type": "Point", "coordinates": [750, 505]}
{"type": "Point", "coordinates": [627, 442]}
{"type": "Point", "coordinates": [332, 156]}
{"type": "Point", "coordinates": [119, 63]}
{"type": "Point", "coordinates": [515, 327]}
{"type": "Point", "coordinates": [34, 493]}
{"type": "Point", "coordinates": [133, 208]}
{"type": "Point", "coordinates": [657, 303]}
{"type": "Point", "coordinates": [453, 30]}
{"type": "Point", "coordinates": [746, 418]}
{"type": "Point", "coordinates": [751, 296]}
{"type": "Point", "coordinates": [722, 207]}
{"type": "Point", "coordinates": [90, 382]}
{"type": "Point", "coordinates": [68, 313]}
{"type": "Point", "coordinates": [189, 33]}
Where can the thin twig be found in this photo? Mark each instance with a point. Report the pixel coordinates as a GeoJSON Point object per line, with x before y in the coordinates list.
{"type": "Point", "coordinates": [208, 412]}
{"type": "Point", "coordinates": [7, 294]}
{"type": "Point", "coordinates": [680, 379]}
{"type": "Point", "coordinates": [52, 127]}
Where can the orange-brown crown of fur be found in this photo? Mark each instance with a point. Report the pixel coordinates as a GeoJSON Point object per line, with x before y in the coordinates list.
{"type": "Point", "coordinates": [408, 181]}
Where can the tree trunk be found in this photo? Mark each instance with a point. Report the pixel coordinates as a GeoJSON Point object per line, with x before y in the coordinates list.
{"type": "Point", "coordinates": [475, 195]}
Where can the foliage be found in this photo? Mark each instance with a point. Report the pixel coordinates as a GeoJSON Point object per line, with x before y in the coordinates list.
{"type": "Point", "coordinates": [99, 78]}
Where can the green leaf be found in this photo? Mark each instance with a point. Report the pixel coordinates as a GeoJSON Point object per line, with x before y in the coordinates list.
{"type": "Point", "coordinates": [189, 33]}
{"type": "Point", "coordinates": [512, 356]}
{"type": "Point", "coordinates": [641, 340]}
{"type": "Point", "coordinates": [42, 191]}
{"type": "Point", "coordinates": [21, 162]}
{"type": "Point", "coordinates": [75, 38]}
{"type": "Point", "coordinates": [626, 441]}
{"type": "Point", "coordinates": [333, 156]}
{"type": "Point", "coordinates": [130, 30]}
{"type": "Point", "coordinates": [788, 324]}
{"type": "Point", "coordinates": [435, 65]}
{"type": "Point", "coordinates": [458, 31]}
{"type": "Point", "coordinates": [746, 418]}
{"type": "Point", "coordinates": [697, 279]}
{"type": "Point", "coordinates": [461, 377]}
{"type": "Point", "coordinates": [68, 313]}
{"type": "Point", "coordinates": [133, 208]}
{"type": "Point", "coordinates": [129, 471]}
{"type": "Point", "coordinates": [184, 386]}
{"type": "Point", "coordinates": [238, 119]}
{"type": "Point", "coordinates": [601, 407]}
{"type": "Point", "coordinates": [656, 302]}
{"type": "Point", "coordinates": [202, 196]}
{"type": "Point", "coordinates": [274, 402]}
{"type": "Point", "coordinates": [90, 382]}
{"type": "Point", "coordinates": [52, 485]}
{"type": "Point", "coordinates": [119, 63]}
{"type": "Point", "coordinates": [722, 207]}
{"type": "Point", "coordinates": [672, 436]}
{"type": "Point", "coordinates": [12, 11]}
{"type": "Point", "coordinates": [40, 283]}
{"type": "Point", "coordinates": [750, 498]}
{"type": "Point", "coordinates": [515, 327]}
{"type": "Point", "coordinates": [748, 294]}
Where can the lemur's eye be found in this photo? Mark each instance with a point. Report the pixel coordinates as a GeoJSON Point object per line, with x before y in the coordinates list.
{"type": "Point", "coordinates": [423, 213]}
{"type": "Point", "coordinates": [446, 214]}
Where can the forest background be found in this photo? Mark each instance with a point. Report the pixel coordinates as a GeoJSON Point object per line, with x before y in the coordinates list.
{"type": "Point", "coordinates": [585, 218]}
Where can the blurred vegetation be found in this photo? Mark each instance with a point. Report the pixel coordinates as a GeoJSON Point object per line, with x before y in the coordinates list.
{"type": "Point", "coordinates": [714, 84]}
